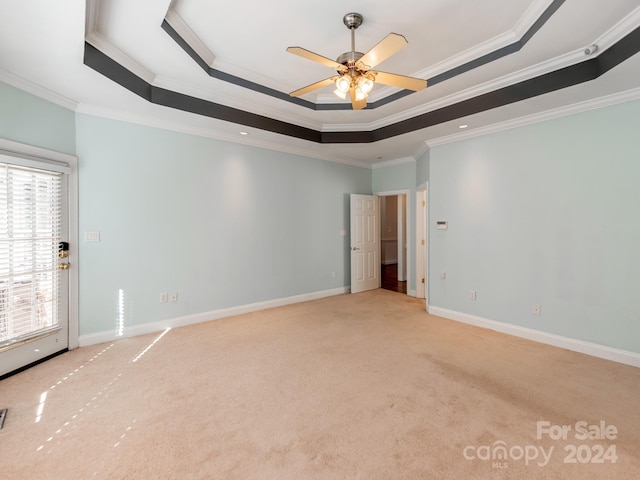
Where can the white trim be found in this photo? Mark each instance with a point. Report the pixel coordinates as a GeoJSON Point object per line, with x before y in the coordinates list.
{"type": "Point", "coordinates": [184, 30]}
{"type": "Point", "coordinates": [33, 162]}
{"type": "Point", "coordinates": [424, 148]}
{"type": "Point", "coordinates": [588, 348]}
{"type": "Point", "coordinates": [389, 193]}
{"type": "Point", "coordinates": [394, 162]}
{"type": "Point", "coordinates": [157, 326]}
{"type": "Point", "coordinates": [74, 239]}
{"type": "Point", "coordinates": [618, 31]}
{"type": "Point", "coordinates": [58, 160]}
{"type": "Point", "coordinates": [92, 13]}
{"type": "Point", "coordinates": [602, 102]}
{"type": "Point", "coordinates": [48, 157]}
{"type": "Point", "coordinates": [37, 90]}
{"type": "Point", "coordinates": [98, 41]}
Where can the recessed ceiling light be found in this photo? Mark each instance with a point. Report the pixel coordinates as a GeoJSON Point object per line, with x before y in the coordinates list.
{"type": "Point", "coordinates": [244, 133]}
{"type": "Point", "coordinates": [463, 126]}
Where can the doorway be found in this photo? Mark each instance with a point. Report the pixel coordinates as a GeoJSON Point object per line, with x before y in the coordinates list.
{"type": "Point", "coordinates": [35, 274]}
{"type": "Point", "coordinates": [393, 242]}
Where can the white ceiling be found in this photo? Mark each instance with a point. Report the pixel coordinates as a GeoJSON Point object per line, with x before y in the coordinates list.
{"type": "Point", "coordinates": [42, 48]}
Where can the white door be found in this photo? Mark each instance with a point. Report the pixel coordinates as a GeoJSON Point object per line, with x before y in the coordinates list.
{"type": "Point", "coordinates": [365, 243]}
{"type": "Point", "coordinates": [34, 321]}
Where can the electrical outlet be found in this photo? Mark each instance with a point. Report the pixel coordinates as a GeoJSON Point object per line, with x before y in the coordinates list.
{"type": "Point", "coordinates": [91, 236]}
{"type": "Point", "coordinates": [174, 297]}
{"type": "Point", "coordinates": [536, 308]}
{"type": "Point", "coordinates": [333, 274]}
{"type": "Point", "coordinates": [472, 294]}
{"type": "Point", "coordinates": [163, 297]}
{"type": "Point", "coordinates": [443, 275]}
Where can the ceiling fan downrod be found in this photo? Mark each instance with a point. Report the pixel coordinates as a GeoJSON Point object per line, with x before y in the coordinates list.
{"type": "Point", "coordinates": [352, 20]}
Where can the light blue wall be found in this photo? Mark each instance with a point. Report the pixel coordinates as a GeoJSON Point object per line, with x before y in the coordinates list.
{"type": "Point", "coordinates": [401, 177]}
{"type": "Point", "coordinates": [394, 177]}
{"type": "Point", "coordinates": [27, 119]}
{"type": "Point", "coordinates": [545, 214]}
{"type": "Point", "coordinates": [222, 224]}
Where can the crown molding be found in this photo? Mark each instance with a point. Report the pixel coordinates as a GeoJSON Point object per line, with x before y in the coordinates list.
{"type": "Point", "coordinates": [393, 163]}
{"type": "Point", "coordinates": [621, 29]}
{"type": "Point", "coordinates": [92, 13]}
{"type": "Point", "coordinates": [602, 102]}
{"type": "Point", "coordinates": [424, 148]}
{"type": "Point", "coordinates": [535, 11]}
{"type": "Point", "coordinates": [184, 30]}
{"type": "Point", "coordinates": [37, 90]}
{"type": "Point", "coordinates": [98, 41]}
{"type": "Point", "coordinates": [176, 126]}
{"type": "Point", "coordinates": [484, 48]}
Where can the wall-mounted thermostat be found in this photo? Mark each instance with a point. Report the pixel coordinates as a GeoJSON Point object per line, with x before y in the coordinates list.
{"type": "Point", "coordinates": [441, 224]}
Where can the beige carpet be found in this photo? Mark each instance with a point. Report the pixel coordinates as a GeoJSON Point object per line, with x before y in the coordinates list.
{"type": "Point", "coordinates": [364, 386]}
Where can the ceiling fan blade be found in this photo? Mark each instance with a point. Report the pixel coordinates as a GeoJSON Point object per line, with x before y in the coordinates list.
{"type": "Point", "coordinates": [313, 86]}
{"type": "Point", "coordinates": [383, 50]}
{"type": "Point", "coordinates": [400, 81]}
{"type": "Point", "coordinates": [356, 104]}
{"type": "Point", "coordinates": [314, 57]}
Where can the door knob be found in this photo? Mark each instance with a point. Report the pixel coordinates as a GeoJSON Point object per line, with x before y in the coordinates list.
{"type": "Point", "coordinates": [355, 248]}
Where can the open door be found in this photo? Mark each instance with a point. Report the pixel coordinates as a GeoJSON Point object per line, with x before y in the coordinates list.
{"type": "Point", "coordinates": [365, 243]}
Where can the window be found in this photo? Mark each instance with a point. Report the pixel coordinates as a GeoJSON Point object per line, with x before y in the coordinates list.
{"type": "Point", "coordinates": [30, 229]}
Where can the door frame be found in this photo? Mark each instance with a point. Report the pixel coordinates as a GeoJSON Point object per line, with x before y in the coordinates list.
{"type": "Point", "coordinates": [407, 239]}
{"type": "Point", "coordinates": [44, 155]}
{"type": "Point", "coordinates": [422, 252]}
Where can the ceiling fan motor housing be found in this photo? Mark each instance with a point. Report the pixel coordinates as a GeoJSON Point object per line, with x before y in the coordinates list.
{"type": "Point", "coordinates": [352, 20]}
{"type": "Point", "coordinates": [349, 58]}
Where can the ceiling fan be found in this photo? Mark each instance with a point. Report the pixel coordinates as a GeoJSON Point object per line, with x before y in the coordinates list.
{"type": "Point", "coordinates": [355, 76]}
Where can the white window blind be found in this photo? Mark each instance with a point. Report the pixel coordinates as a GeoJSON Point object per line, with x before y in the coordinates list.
{"type": "Point", "coordinates": [30, 226]}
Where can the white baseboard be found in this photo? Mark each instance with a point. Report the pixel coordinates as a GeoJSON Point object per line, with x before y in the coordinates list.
{"type": "Point", "coordinates": [152, 327]}
{"type": "Point", "coordinates": [588, 348]}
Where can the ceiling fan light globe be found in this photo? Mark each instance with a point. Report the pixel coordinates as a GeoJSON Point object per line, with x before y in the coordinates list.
{"type": "Point", "coordinates": [360, 95]}
{"type": "Point", "coordinates": [343, 83]}
{"type": "Point", "coordinates": [365, 85]}
{"type": "Point", "coordinates": [341, 94]}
